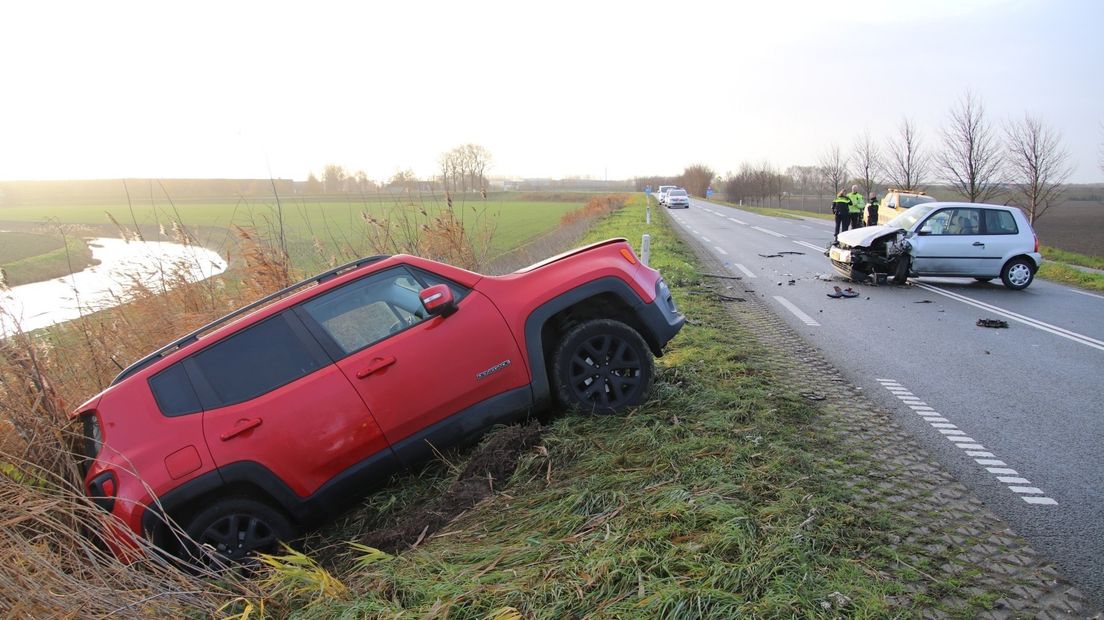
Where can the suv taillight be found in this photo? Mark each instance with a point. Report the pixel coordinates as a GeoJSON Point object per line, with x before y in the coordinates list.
{"type": "Point", "coordinates": [92, 439]}
{"type": "Point", "coordinates": [1036, 243]}
{"type": "Point", "coordinates": [102, 490]}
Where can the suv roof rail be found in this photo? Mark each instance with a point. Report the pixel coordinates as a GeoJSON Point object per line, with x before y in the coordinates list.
{"type": "Point", "coordinates": [194, 336]}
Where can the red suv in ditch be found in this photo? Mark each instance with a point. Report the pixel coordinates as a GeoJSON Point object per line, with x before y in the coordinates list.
{"type": "Point", "coordinates": [279, 415]}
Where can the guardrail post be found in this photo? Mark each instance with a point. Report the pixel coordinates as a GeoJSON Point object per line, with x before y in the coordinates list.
{"type": "Point", "coordinates": [646, 248]}
{"type": "Point", "coordinates": [647, 210]}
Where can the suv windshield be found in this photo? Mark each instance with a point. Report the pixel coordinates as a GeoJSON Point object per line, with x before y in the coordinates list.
{"type": "Point", "coordinates": [909, 218]}
{"type": "Point", "coordinates": [677, 192]}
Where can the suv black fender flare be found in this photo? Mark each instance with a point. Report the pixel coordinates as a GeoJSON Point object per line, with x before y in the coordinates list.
{"type": "Point", "coordinates": [648, 320]}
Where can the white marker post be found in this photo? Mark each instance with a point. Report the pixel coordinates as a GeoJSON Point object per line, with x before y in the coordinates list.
{"type": "Point", "coordinates": [646, 248]}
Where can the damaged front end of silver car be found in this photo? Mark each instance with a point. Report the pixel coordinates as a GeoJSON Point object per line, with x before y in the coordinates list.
{"type": "Point", "coordinates": [886, 256]}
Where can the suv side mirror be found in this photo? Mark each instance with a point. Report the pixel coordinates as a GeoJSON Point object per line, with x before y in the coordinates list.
{"type": "Point", "coordinates": [924, 231]}
{"type": "Point", "coordinates": [438, 300]}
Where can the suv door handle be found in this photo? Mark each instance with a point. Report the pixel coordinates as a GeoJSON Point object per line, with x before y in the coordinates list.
{"type": "Point", "coordinates": [243, 425]}
{"type": "Point", "coordinates": [375, 366]}
{"type": "Point", "coordinates": [978, 244]}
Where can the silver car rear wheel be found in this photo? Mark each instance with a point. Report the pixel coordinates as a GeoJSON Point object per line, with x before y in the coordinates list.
{"type": "Point", "coordinates": [1017, 274]}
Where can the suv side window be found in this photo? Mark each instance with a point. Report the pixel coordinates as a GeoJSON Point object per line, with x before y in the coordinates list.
{"type": "Point", "coordinates": [256, 360]}
{"type": "Point", "coordinates": [173, 392]}
{"type": "Point", "coordinates": [372, 308]}
{"type": "Point", "coordinates": [999, 222]}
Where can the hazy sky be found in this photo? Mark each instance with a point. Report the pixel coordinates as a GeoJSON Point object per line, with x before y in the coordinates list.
{"type": "Point", "coordinates": [253, 89]}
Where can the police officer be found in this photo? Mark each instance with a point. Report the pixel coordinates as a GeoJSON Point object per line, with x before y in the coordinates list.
{"type": "Point", "coordinates": [841, 209]}
{"type": "Point", "coordinates": [856, 206]}
{"type": "Point", "coordinates": [872, 210]}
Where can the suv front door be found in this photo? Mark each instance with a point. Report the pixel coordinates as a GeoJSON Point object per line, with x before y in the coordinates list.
{"type": "Point", "coordinates": [416, 371]}
{"type": "Point", "coordinates": [272, 397]}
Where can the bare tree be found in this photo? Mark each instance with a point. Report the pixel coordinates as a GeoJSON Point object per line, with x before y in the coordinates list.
{"type": "Point", "coordinates": [697, 178]}
{"type": "Point", "coordinates": [804, 180]}
{"type": "Point", "coordinates": [1038, 164]}
{"type": "Point", "coordinates": [833, 168]}
{"type": "Point", "coordinates": [333, 178]}
{"type": "Point", "coordinates": [907, 164]}
{"type": "Point", "coordinates": [971, 158]}
{"type": "Point", "coordinates": [867, 160]}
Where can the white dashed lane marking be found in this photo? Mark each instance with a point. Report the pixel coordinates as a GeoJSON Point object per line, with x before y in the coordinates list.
{"type": "Point", "coordinates": [769, 231]}
{"type": "Point", "coordinates": [720, 250]}
{"type": "Point", "coordinates": [745, 270]}
{"type": "Point", "coordinates": [982, 456]}
{"type": "Point", "coordinates": [804, 318]}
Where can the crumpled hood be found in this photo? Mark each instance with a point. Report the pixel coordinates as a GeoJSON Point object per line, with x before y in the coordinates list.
{"type": "Point", "coordinates": [863, 237]}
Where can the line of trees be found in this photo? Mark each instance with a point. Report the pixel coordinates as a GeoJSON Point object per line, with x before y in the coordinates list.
{"type": "Point", "coordinates": [463, 169]}
{"type": "Point", "coordinates": [695, 179]}
{"type": "Point", "coordinates": [1023, 164]}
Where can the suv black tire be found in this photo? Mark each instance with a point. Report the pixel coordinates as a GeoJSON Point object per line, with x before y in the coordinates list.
{"type": "Point", "coordinates": [238, 527]}
{"type": "Point", "coordinates": [1018, 273]}
{"type": "Point", "coordinates": [601, 366]}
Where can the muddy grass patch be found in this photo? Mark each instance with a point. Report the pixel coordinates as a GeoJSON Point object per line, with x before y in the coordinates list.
{"type": "Point", "coordinates": [417, 505]}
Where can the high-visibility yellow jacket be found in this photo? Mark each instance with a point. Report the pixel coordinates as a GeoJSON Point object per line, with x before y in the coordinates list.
{"type": "Point", "coordinates": [857, 202]}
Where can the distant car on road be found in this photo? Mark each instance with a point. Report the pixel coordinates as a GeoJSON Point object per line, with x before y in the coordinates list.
{"type": "Point", "coordinates": [676, 199]}
{"type": "Point", "coordinates": [979, 241]}
{"type": "Point", "coordinates": [661, 195]}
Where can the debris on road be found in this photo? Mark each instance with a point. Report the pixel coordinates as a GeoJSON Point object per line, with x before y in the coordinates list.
{"type": "Point", "coordinates": [771, 255]}
{"type": "Point", "coordinates": [997, 323]}
{"type": "Point", "coordinates": [923, 301]}
{"type": "Point", "coordinates": [789, 252]}
{"type": "Point", "coordinates": [713, 275]}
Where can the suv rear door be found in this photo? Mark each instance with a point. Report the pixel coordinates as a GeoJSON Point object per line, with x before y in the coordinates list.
{"type": "Point", "coordinates": [272, 396]}
{"type": "Point", "coordinates": [415, 371]}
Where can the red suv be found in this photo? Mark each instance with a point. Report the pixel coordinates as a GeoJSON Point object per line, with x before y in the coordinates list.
{"type": "Point", "coordinates": [279, 415]}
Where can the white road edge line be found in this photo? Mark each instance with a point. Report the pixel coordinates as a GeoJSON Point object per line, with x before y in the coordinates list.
{"type": "Point", "coordinates": [1037, 324]}
{"type": "Point", "coordinates": [720, 250]}
{"type": "Point", "coordinates": [804, 318]}
{"type": "Point", "coordinates": [744, 269]}
{"type": "Point", "coordinates": [1088, 294]}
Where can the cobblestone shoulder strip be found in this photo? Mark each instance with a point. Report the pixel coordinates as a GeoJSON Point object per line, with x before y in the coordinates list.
{"type": "Point", "coordinates": [974, 565]}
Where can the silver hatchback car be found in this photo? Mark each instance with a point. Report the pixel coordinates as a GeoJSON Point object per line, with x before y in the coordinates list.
{"type": "Point", "coordinates": [954, 239]}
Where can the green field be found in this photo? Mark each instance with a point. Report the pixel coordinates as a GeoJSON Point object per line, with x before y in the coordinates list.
{"type": "Point", "coordinates": [33, 257]}
{"type": "Point", "coordinates": [315, 229]}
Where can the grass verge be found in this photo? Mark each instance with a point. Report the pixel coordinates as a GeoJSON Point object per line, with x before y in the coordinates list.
{"type": "Point", "coordinates": [1059, 272]}
{"type": "Point", "coordinates": [705, 502]}
{"type": "Point", "coordinates": [1071, 258]}
{"type": "Point", "coordinates": [63, 257]}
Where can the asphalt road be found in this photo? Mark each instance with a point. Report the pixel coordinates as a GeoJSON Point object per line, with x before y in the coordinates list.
{"type": "Point", "coordinates": [1016, 414]}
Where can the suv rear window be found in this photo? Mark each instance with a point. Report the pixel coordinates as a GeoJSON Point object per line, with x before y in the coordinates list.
{"type": "Point", "coordinates": [256, 360]}
{"type": "Point", "coordinates": [173, 392]}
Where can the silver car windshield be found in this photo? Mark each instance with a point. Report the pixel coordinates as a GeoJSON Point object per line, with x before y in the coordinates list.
{"type": "Point", "coordinates": [909, 218]}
